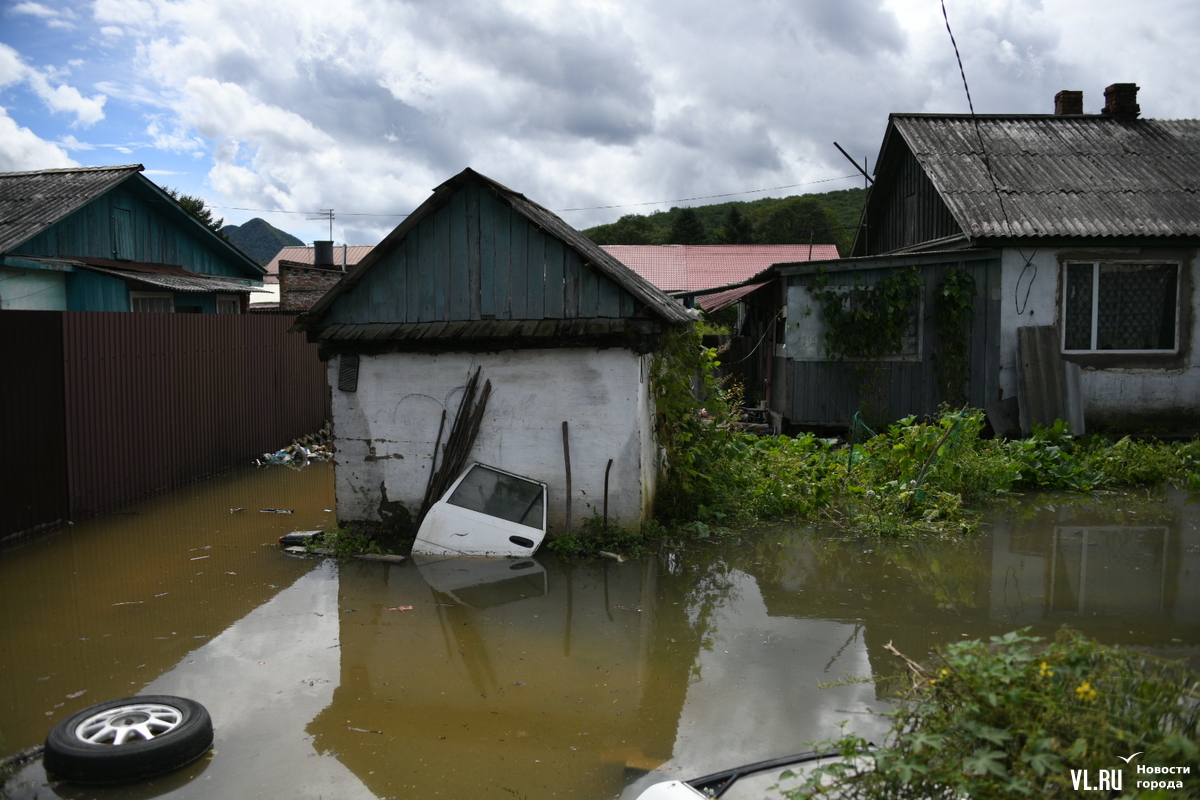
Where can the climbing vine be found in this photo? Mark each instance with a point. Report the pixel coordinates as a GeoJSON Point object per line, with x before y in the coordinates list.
{"type": "Point", "coordinates": [954, 310]}
{"type": "Point", "coordinates": [867, 324]}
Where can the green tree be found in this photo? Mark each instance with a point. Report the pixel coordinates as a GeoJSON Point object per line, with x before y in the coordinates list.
{"type": "Point", "coordinates": [796, 220]}
{"type": "Point", "coordinates": [629, 229]}
{"type": "Point", "coordinates": [686, 228]}
{"type": "Point", "coordinates": [197, 208]}
{"type": "Point", "coordinates": [736, 230]}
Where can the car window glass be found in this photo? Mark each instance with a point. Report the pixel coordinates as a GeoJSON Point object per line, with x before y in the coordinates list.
{"type": "Point", "coordinates": [499, 495]}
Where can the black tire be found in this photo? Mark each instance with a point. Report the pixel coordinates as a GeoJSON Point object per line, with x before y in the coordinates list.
{"type": "Point", "coordinates": [159, 733]}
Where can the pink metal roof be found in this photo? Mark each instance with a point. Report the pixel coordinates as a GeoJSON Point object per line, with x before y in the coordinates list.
{"type": "Point", "coordinates": [694, 267]}
{"type": "Point", "coordinates": [304, 255]}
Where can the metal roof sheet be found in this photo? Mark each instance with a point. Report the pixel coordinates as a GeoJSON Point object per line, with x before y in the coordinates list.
{"type": "Point", "coordinates": [1060, 176]}
{"type": "Point", "coordinates": [180, 283]}
{"type": "Point", "coordinates": [715, 302]}
{"type": "Point", "coordinates": [301, 254]}
{"type": "Point", "coordinates": [30, 202]}
{"type": "Point", "coordinates": [696, 267]}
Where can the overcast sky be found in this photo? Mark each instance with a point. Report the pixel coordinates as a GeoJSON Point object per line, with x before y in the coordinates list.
{"type": "Point", "coordinates": [364, 106]}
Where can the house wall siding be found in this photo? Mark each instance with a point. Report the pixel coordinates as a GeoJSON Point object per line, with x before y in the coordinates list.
{"type": "Point", "coordinates": [387, 429]}
{"type": "Point", "coordinates": [826, 393]}
{"type": "Point", "coordinates": [150, 232]}
{"type": "Point", "coordinates": [1126, 392]}
{"type": "Point", "coordinates": [475, 258]}
{"type": "Point", "coordinates": [905, 209]}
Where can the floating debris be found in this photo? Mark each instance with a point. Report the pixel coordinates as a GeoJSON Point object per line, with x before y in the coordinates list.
{"type": "Point", "coordinates": [277, 511]}
{"type": "Point", "coordinates": [313, 447]}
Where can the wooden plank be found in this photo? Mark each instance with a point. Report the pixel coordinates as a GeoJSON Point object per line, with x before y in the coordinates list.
{"type": "Point", "coordinates": [535, 276]}
{"type": "Point", "coordinates": [519, 266]}
{"type": "Point", "coordinates": [441, 264]}
{"type": "Point", "coordinates": [553, 308]}
{"type": "Point", "coordinates": [487, 255]}
{"type": "Point", "coordinates": [589, 292]}
{"type": "Point", "coordinates": [426, 269]}
{"type": "Point", "coordinates": [459, 298]}
{"type": "Point", "coordinates": [503, 233]}
{"type": "Point", "coordinates": [572, 275]}
{"type": "Point", "coordinates": [412, 280]}
{"type": "Point", "coordinates": [472, 287]}
{"type": "Point", "coordinates": [628, 305]}
{"type": "Point", "coordinates": [609, 302]}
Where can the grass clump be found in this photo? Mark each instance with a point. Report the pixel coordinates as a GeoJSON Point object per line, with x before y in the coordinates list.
{"type": "Point", "coordinates": [1013, 717]}
{"type": "Point", "coordinates": [595, 535]}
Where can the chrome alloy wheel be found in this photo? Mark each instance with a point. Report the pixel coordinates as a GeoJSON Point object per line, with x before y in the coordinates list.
{"type": "Point", "coordinates": [131, 723]}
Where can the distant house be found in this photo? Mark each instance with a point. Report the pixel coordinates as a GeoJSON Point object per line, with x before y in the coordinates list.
{"type": "Point", "coordinates": [108, 239]}
{"type": "Point", "coordinates": [480, 277]}
{"type": "Point", "coordinates": [711, 274]}
{"type": "Point", "coordinates": [307, 268]}
{"type": "Point", "coordinates": [1080, 232]}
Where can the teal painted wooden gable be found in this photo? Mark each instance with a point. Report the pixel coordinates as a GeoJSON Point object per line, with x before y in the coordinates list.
{"type": "Point", "coordinates": [135, 221]}
{"type": "Point", "coordinates": [477, 258]}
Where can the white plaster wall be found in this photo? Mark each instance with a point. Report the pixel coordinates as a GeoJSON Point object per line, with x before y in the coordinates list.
{"type": "Point", "coordinates": [386, 430]}
{"type": "Point", "coordinates": [1030, 281]}
{"type": "Point", "coordinates": [32, 290]}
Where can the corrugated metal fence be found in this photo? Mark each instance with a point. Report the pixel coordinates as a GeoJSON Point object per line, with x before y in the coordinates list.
{"type": "Point", "coordinates": [101, 409]}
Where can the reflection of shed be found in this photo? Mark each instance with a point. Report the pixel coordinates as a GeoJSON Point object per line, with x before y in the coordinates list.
{"type": "Point", "coordinates": [481, 277]}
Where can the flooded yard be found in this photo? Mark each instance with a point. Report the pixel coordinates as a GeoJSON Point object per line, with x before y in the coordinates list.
{"type": "Point", "coordinates": [535, 677]}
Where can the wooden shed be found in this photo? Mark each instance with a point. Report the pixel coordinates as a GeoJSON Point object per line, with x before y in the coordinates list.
{"type": "Point", "coordinates": [480, 277]}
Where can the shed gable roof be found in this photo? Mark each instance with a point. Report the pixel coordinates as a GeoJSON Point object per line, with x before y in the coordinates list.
{"type": "Point", "coordinates": [478, 252]}
{"type": "Point", "coordinates": [1039, 176]}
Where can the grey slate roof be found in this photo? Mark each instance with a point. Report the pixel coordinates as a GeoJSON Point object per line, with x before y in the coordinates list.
{"type": "Point", "coordinates": [30, 202]}
{"type": "Point", "coordinates": [1060, 176]}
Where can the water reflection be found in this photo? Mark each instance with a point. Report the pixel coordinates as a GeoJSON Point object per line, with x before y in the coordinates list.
{"type": "Point", "coordinates": [541, 678]}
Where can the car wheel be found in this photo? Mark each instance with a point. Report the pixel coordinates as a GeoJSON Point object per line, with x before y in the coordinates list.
{"type": "Point", "coordinates": [128, 739]}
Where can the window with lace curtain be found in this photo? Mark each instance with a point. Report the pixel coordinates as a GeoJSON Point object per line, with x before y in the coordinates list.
{"type": "Point", "coordinates": [1120, 306]}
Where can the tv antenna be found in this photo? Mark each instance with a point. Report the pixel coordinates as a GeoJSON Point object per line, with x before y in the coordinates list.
{"type": "Point", "coordinates": [325, 213]}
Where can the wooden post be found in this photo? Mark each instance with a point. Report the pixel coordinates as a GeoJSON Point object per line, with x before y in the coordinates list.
{"type": "Point", "coordinates": [567, 459]}
{"type": "Point", "coordinates": [606, 471]}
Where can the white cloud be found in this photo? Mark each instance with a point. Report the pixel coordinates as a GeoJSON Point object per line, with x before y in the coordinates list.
{"type": "Point", "coordinates": [22, 150]}
{"type": "Point", "coordinates": [68, 99]}
{"type": "Point", "coordinates": [366, 105]}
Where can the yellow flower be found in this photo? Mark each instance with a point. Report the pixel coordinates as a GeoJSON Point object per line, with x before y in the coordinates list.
{"type": "Point", "coordinates": [1085, 691]}
{"type": "Point", "coordinates": [1045, 671]}
{"type": "Point", "coordinates": [945, 673]}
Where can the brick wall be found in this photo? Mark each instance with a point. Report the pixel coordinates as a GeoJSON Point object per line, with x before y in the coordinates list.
{"type": "Point", "coordinates": [302, 285]}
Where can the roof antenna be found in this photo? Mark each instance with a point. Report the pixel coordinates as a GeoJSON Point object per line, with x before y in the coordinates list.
{"type": "Point", "coordinates": [325, 213]}
{"type": "Point", "coordinates": [855, 163]}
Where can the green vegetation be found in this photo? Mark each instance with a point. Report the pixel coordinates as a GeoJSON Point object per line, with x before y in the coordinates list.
{"type": "Point", "coordinates": [596, 535]}
{"type": "Point", "coordinates": [829, 218]}
{"type": "Point", "coordinates": [1014, 717]}
{"type": "Point", "coordinates": [198, 209]}
{"type": "Point", "coordinates": [259, 239]}
{"type": "Point", "coordinates": [927, 477]}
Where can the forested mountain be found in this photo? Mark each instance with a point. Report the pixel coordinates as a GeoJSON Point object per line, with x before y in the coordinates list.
{"type": "Point", "coordinates": [828, 218]}
{"type": "Point", "coordinates": [259, 239]}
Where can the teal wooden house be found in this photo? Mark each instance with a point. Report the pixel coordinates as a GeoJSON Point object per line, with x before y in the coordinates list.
{"type": "Point", "coordinates": [481, 277]}
{"type": "Point", "coordinates": [109, 239]}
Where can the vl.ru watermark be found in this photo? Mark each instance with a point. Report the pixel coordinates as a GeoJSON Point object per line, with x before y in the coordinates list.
{"type": "Point", "coordinates": [1113, 780]}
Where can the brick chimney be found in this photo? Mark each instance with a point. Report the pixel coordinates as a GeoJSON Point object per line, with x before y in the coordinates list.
{"type": "Point", "coordinates": [1120, 102]}
{"type": "Point", "coordinates": [1068, 102]}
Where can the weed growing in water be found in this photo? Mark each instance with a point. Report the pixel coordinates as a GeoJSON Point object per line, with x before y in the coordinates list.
{"type": "Point", "coordinates": [1015, 716]}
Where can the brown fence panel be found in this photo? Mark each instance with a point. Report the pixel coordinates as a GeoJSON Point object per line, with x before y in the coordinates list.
{"type": "Point", "coordinates": [33, 489]}
{"type": "Point", "coordinates": [154, 401]}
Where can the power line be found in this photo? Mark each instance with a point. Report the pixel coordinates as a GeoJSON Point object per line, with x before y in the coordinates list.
{"type": "Point", "coordinates": [324, 213]}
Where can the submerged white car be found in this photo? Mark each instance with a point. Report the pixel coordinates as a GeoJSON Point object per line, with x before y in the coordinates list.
{"type": "Point", "coordinates": [486, 512]}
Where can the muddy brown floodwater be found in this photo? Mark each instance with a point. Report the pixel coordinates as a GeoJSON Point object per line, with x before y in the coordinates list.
{"type": "Point", "coordinates": [536, 677]}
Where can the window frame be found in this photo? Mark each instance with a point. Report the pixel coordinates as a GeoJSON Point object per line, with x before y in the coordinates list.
{"type": "Point", "coordinates": [228, 298]}
{"type": "Point", "coordinates": [170, 296]}
{"type": "Point", "coordinates": [1096, 265]}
